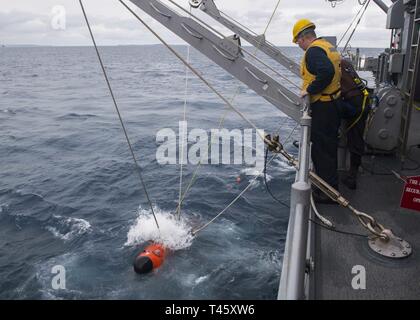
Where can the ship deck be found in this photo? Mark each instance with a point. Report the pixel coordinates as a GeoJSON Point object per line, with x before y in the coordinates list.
{"type": "Point", "coordinates": [378, 194]}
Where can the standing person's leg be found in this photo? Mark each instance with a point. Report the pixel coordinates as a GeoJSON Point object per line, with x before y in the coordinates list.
{"type": "Point", "coordinates": [355, 143]}
{"type": "Point", "coordinates": [317, 138]}
{"type": "Point", "coordinates": [325, 123]}
{"type": "Point", "coordinates": [332, 124]}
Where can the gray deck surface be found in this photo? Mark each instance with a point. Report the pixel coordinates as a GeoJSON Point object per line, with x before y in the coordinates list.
{"type": "Point", "coordinates": [336, 254]}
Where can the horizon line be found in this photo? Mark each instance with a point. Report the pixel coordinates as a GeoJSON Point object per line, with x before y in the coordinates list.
{"type": "Point", "coordinates": [138, 45]}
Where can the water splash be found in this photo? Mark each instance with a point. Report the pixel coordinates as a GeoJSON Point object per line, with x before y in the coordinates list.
{"type": "Point", "coordinates": [255, 176]}
{"type": "Point", "coordinates": [282, 167]}
{"type": "Point", "coordinates": [68, 228]}
{"type": "Point", "coordinates": [174, 234]}
{"type": "Point", "coordinates": [201, 279]}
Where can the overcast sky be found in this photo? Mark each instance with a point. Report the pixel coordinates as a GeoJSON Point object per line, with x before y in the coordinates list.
{"type": "Point", "coordinates": [31, 22]}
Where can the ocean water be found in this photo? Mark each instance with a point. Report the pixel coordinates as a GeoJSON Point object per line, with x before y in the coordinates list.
{"type": "Point", "coordinates": [69, 194]}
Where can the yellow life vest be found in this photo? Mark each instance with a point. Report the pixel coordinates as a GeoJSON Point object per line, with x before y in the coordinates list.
{"type": "Point", "coordinates": [333, 90]}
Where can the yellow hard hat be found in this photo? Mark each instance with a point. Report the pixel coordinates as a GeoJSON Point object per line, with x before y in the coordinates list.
{"type": "Point", "coordinates": [301, 25]}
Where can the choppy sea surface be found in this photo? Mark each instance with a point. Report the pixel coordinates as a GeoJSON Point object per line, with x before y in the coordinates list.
{"type": "Point", "coordinates": [70, 196]}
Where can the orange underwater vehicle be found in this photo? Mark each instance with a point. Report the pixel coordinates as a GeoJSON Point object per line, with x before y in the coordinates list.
{"type": "Point", "coordinates": [150, 258]}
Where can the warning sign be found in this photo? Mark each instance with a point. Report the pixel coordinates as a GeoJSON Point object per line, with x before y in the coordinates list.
{"type": "Point", "coordinates": [411, 194]}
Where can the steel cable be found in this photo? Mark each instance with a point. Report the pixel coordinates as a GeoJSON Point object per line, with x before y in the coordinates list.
{"type": "Point", "coordinates": [137, 166]}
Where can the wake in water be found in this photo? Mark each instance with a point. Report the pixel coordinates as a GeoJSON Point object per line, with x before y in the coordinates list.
{"type": "Point", "coordinates": [68, 228]}
{"type": "Point", "coordinates": [174, 234]}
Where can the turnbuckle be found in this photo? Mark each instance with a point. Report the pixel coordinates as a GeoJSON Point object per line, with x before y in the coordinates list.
{"type": "Point", "coordinates": [273, 143]}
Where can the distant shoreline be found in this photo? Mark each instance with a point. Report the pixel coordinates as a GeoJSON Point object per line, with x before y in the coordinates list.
{"type": "Point", "coordinates": [129, 45]}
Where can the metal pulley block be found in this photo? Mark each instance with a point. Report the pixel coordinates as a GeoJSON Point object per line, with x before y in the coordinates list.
{"type": "Point", "coordinates": [195, 3]}
{"type": "Point", "coordinates": [393, 247]}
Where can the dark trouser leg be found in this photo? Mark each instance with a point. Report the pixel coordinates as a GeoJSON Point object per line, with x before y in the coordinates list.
{"type": "Point", "coordinates": [355, 140]}
{"type": "Point", "coordinates": [325, 123]}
